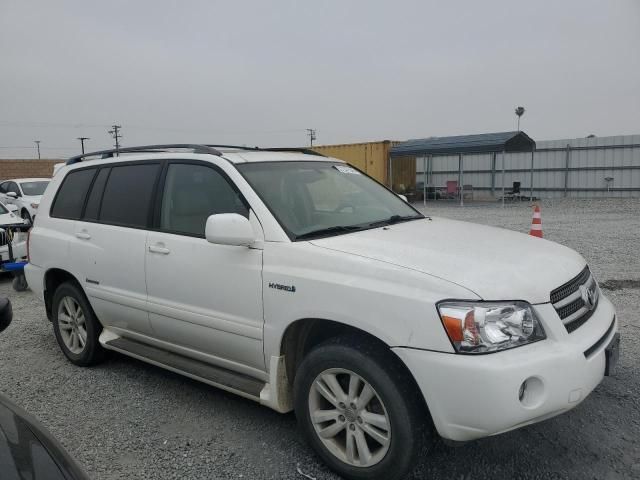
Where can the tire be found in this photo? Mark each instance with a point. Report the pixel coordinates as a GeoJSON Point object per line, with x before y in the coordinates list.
{"type": "Point", "coordinates": [20, 283]}
{"type": "Point", "coordinates": [68, 298]}
{"type": "Point", "coordinates": [25, 215]}
{"type": "Point", "coordinates": [396, 408]}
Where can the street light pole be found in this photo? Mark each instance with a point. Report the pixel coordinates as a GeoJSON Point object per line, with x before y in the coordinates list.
{"type": "Point", "coordinates": [82, 139]}
{"type": "Point", "coordinates": [37, 142]}
{"type": "Point", "coordinates": [519, 113]}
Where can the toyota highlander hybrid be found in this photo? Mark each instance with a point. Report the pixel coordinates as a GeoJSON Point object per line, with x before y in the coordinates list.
{"type": "Point", "coordinates": [297, 281]}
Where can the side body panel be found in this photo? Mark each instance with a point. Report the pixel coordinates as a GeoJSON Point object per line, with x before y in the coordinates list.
{"type": "Point", "coordinates": [110, 267]}
{"type": "Point", "coordinates": [390, 302]}
{"type": "Point", "coordinates": [207, 297]}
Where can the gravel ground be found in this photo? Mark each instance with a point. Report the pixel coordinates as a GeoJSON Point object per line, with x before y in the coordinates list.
{"type": "Point", "coordinates": [127, 419]}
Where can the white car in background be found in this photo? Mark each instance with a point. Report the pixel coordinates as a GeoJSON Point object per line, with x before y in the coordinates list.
{"type": "Point", "coordinates": [24, 193]}
{"type": "Point", "coordinates": [19, 244]}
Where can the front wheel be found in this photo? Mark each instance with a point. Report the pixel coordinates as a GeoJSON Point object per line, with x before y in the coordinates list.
{"type": "Point", "coordinates": [360, 410]}
{"type": "Point", "coordinates": [26, 216]}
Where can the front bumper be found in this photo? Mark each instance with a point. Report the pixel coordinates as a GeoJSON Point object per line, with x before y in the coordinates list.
{"type": "Point", "coordinates": [474, 396]}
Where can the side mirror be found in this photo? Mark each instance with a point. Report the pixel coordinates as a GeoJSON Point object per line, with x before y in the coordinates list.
{"type": "Point", "coordinates": [12, 208]}
{"type": "Point", "coordinates": [403, 197]}
{"type": "Point", "coordinates": [6, 313]}
{"type": "Point", "coordinates": [12, 194]}
{"type": "Point", "coordinates": [229, 229]}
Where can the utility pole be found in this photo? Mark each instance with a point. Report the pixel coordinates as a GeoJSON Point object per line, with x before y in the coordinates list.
{"type": "Point", "coordinates": [312, 135]}
{"type": "Point", "coordinates": [82, 139]}
{"type": "Point", "coordinates": [37, 142]}
{"type": "Point", "coordinates": [116, 134]}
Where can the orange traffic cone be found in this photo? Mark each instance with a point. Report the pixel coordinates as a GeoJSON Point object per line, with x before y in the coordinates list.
{"type": "Point", "coordinates": [536, 223]}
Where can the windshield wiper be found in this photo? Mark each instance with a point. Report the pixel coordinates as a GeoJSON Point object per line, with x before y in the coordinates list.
{"type": "Point", "coordinates": [395, 219]}
{"type": "Point", "coordinates": [329, 230]}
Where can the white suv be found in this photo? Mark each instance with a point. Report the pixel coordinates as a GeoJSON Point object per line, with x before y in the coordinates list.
{"type": "Point", "coordinates": [297, 281]}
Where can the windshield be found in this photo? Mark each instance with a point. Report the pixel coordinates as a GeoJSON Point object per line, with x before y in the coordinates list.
{"type": "Point", "coordinates": [34, 188]}
{"type": "Point", "coordinates": [315, 199]}
{"type": "Point", "coordinates": [3, 210]}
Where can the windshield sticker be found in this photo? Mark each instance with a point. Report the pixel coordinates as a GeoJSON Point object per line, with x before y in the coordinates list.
{"type": "Point", "coordinates": [345, 169]}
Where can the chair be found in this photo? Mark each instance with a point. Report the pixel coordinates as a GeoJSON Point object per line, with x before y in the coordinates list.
{"type": "Point", "coordinates": [452, 189]}
{"type": "Point", "coordinates": [514, 193]}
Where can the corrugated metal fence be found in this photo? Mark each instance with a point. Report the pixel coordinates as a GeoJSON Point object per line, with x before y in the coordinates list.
{"type": "Point", "coordinates": [581, 167]}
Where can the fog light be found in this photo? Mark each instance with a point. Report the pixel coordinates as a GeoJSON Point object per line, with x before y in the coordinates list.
{"type": "Point", "coordinates": [531, 393]}
{"type": "Point", "coordinates": [522, 389]}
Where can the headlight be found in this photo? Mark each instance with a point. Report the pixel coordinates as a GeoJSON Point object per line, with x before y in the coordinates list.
{"type": "Point", "coordinates": [34, 205]}
{"type": "Point", "coordinates": [483, 327]}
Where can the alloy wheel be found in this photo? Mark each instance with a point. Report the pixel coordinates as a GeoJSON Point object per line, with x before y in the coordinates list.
{"type": "Point", "coordinates": [72, 325]}
{"type": "Point", "coordinates": [349, 417]}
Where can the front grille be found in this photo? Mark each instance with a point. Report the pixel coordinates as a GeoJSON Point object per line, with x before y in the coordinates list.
{"type": "Point", "coordinates": [571, 286]}
{"type": "Point", "coordinates": [569, 300]}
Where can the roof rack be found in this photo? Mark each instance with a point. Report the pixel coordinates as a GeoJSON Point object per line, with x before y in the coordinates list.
{"type": "Point", "coordinates": [307, 151]}
{"type": "Point", "coordinates": [196, 147]}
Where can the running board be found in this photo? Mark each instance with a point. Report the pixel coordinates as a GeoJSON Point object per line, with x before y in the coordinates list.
{"type": "Point", "coordinates": [216, 376]}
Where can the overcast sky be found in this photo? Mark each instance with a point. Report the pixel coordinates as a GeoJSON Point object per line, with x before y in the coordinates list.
{"type": "Point", "coordinates": [261, 72]}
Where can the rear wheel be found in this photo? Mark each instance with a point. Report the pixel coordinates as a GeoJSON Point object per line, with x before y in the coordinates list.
{"type": "Point", "coordinates": [75, 326]}
{"type": "Point", "coordinates": [360, 410]}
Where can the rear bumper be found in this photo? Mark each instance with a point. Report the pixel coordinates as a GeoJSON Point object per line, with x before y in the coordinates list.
{"type": "Point", "coordinates": [35, 279]}
{"type": "Point", "coordinates": [471, 397]}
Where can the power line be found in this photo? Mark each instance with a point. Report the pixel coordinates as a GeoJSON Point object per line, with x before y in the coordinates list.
{"type": "Point", "coordinates": [117, 136]}
{"type": "Point", "coordinates": [149, 127]}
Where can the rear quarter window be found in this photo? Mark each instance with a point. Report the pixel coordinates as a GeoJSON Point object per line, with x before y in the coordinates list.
{"type": "Point", "coordinates": [71, 195]}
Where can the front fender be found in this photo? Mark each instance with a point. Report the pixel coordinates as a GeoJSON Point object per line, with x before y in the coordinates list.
{"type": "Point", "coordinates": [392, 303]}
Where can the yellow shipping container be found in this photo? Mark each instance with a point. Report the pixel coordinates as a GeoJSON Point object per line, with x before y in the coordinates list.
{"type": "Point", "coordinates": [372, 158]}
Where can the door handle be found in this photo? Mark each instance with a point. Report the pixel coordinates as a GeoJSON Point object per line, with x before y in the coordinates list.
{"type": "Point", "coordinates": [83, 235]}
{"type": "Point", "coordinates": [159, 249]}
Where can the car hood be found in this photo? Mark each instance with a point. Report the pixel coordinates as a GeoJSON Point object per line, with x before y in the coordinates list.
{"type": "Point", "coordinates": [10, 219]}
{"type": "Point", "coordinates": [32, 198]}
{"type": "Point", "coordinates": [494, 263]}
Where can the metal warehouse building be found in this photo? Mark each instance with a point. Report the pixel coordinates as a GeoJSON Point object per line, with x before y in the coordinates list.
{"type": "Point", "coordinates": [579, 167]}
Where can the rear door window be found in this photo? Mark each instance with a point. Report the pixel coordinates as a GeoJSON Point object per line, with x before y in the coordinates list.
{"type": "Point", "coordinates": [128, 195]}
{"type": "Point", "coordinates": [92, 209]}
{"type": "Point", "coordinates": [71, 195]}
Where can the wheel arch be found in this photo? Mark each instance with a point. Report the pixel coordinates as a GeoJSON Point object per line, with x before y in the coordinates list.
{"type": "Point", "coordinates": [53, 278]}
{"type": "Point", "coordinates": [304, 334]}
